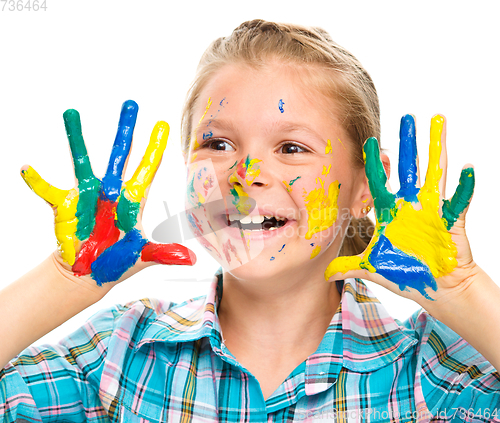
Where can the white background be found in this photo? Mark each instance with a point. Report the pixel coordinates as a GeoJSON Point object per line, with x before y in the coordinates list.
{"type": "Point", "coordinates": [425, 57]}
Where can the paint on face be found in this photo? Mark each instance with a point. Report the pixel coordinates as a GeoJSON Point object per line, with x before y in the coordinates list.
{"type": "Point", "coordinates": [234, 164]}
{"type": "Point", "coordinates": [272, 258]}
{"type": "Point", "coordinates": [240, 199]}
{"type": "Point", "coordinates": [207, 135]}
{"type": "Point", "coordinates": [280, 105]}
{"type": "Point", "coordinates": [315, 251]}
{"type": "Point", "coordinates": [288, 185]}
{"type": "Point", "coordinates": [328, 148]}
{"type": "Point", "coordinates": [227, 248]}
{"type": "Point", "coordinates": [280, 250]}
{"type": "Point", "coordinates": [196, 145]}
{"type": "Point", "coordinates": [322, 208]}
{"type": "Point", "coordinates": [248, 170]}
{"type": "Point", "coordinates": [326, 170]}
{"type": "Point", "coordinates": [341, 143]}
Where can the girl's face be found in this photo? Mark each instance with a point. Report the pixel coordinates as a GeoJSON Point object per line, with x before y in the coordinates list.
{"type": "Point", "coordinates": [270, 187]}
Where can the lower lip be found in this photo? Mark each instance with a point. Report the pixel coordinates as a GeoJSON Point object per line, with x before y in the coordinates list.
{"type": "Point", "coordinates": [235, 232]}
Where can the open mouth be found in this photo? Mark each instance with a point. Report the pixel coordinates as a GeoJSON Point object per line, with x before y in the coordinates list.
{"type": "Point", "coordinates": [256, 223]}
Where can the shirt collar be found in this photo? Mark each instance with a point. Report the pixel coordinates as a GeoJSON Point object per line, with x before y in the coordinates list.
{"type": "Point", "coordinates": [361, 337]}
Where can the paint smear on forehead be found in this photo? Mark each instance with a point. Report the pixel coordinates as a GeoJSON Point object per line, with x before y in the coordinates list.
{"type": "Point", "coordinates": [321, 207]}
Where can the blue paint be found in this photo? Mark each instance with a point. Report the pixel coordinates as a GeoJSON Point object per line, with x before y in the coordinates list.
{"type": "Point", "coordinates": [272, 258]}
{"type": "Point", "coordinates": [220, 104]}
{"type": "Point", "coordinates": [117, 259]}
{"type": "Point", "coordinates": [280, 105]}
{"type": "Point", "coordinates": [312, 244]}
{"type": "Point", "coordinates": [208, 135]}
{"type": "Point", "coordinates": [400, 268]}
{"type": "Point", "coordinates": [279, 251]}
{"type": "Point", "coordinates": [112, 181]}
{"type": "Point", "coordinates": [407, 166]}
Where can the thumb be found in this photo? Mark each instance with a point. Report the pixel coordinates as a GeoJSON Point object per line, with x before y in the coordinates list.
{"type": "Point", "coordinates": [168, 254]}
{"type": "Point", "coordinates": [345, 267]}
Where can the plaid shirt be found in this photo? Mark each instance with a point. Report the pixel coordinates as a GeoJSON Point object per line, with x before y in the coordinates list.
{"type": "Point", "coordinates": [154, 361]}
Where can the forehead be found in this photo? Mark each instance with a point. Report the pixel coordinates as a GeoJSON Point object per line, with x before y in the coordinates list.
{"type": "Point", "coordinates": [289, 91]}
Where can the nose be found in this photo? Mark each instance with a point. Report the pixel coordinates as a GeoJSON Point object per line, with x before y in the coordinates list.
{"type": "Point", "coordinates": [246, 172]}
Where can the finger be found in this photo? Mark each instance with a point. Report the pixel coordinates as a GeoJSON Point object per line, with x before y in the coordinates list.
{"type": "Point", "coordinates": [52, 195]}
{"type": "Point", "coordinates": [83, 169]}
{"type": "Point", "coordinates": [377, 180]}
{"type": "Point", "coordinates": [453, 208]}
{"type": "Point", "coordinates": [168, 254]}
{"type": "Point", "coordinates": [136, 187]}
{"type": "Point", "coordinates": [435, 179]}
{"type": "Point", "coordinates": [343, 267]}
{"type": "Point", "coordinates": [112, 181]}
{"type": "Point", "coordinates": [408, 160]}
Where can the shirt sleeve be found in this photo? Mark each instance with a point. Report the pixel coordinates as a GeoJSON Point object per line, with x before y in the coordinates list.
{"type": "Point", "coordinates": [456, 381]}
{"type": "Point", "coordinates": [50, 382]}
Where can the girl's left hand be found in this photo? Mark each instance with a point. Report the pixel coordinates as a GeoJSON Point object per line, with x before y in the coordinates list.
{"type": "Point", "coordinates": [419, 249]}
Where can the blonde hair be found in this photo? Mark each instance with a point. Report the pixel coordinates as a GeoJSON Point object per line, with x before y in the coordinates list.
{"type": "Point", "coordinates": [342, 78]}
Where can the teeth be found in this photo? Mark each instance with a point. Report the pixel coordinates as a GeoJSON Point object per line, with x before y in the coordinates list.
{"type": "Point", "coordinates": [233, 217]}
{"type": "Point", "coordinates": [279, 218]}
{"type": "Point", "coordinates": [246, 219]}
{"type": "Point", "coordinates": [257, 219]}
{"type": "Point", "coordinates": [273, 228]}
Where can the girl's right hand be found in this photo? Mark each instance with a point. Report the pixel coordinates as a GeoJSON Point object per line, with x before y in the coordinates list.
{"type": "Point", "coordinates": [98, 223]}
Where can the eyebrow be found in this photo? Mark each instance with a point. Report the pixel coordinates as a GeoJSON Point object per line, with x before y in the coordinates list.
{"type": "Point", "coordinates": [276, 126]}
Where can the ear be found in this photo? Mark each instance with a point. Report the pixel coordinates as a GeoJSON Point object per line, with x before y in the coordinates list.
{"type": "Point", "coordinates": [363, 200]}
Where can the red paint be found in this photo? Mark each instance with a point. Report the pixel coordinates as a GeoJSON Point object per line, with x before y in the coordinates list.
{"type": "Point", "coordinates": [168, 254]}
{"type": "Point", "coordinates": [104, 235]}
{"type": "Point", "coordinates": [241, 169]}
{"type": "Point", "coordinates": [228, 247]}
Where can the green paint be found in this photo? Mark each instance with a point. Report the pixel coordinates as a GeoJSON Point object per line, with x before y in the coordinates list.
{"type": "Point", "coordinates": [293, 180]}
{"type": "Point", "coordinates": [233, 165]}
{"type": "Point", "coordinates": [461, 198]}
{"type": "Point", "coordinates": [247, 162]}
{"type": "Point", "coordinates": [88, 185]}
{"type": "Point", "coordinates": [384, 201]}
{"type": "Point", "coordinates": [126, 213]}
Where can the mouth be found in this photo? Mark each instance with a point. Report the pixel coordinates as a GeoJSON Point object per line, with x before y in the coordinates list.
{"type": "Point", "coordinates": [256, 223]}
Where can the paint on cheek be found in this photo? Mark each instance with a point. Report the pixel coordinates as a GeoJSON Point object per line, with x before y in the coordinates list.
{"type": "Point", "coordinates": [228, 248]}
{"type": "Point", "coordinates": [288, 185]}
{"type": "Point", "coordinates": [321, 207]}
{"type": "Point", "coordinates": [316, 251]}
{"type": "Point", "coordinates": [341, 143]}
{"type": "Point", "coordinates": [198, 233]}
{"type": "Point", "coordinates": [280, 105]}
{"type": "Point", "coordinates": [326, 170]}
{"type": "Point", "coordinates": [279, 251]}
{"type": "Point", "coordinates": [234, 164]}
{"type": "Point", "coordinates": [104, 235]}
{"type": "Point", "coordinates": [272, 258]}
{"type": "Point", "coordinates": [328, 148]}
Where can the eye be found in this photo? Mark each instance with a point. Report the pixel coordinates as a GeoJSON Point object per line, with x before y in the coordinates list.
{"type": "Point", "coordinates": [290, 148]}
{"type": "Point", "coordinates": [219, 145]}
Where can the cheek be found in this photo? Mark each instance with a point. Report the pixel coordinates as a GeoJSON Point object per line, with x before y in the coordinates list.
{"type": "Point", "coordinates": [202, 185]}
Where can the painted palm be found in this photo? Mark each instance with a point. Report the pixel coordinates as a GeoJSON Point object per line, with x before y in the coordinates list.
{"type": "Point", "coordinates": [412, 245]}
{"type": "Point", "coordinates": [97, 223]}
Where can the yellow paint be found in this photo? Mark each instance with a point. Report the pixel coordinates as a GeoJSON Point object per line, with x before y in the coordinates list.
{"type": "Point", "coordinates": [341, 143]}
{"type": "Point", "coordinates": [322, 208]}
{"type": "Point", "coordinates": [316, 251]}
{"type": "Point", "coordinates": [422, 233]}
{"type": "Point", "coordinates": [195, 142]}
{"type": "Point", "coordinates": [65, 220]}
{"type": "Point", "coordinates": [342, 265]}
{"type": "Point", "coordinates": [288, 187]}
{"type": "Point", "coordinates": [136, 187]}
{"type": "Point", "coordinates": [251, 171]}
{"type": "Point", "coordinates": [242, 203]}
{"type": "Point", "coordinates": [328, 148]}
{"type": "Point", "coordinates": [325, 170]}
{"type": "Point", "coordinates": [193, 157]}
{"type": "Point", "coordinates": [201, 199]}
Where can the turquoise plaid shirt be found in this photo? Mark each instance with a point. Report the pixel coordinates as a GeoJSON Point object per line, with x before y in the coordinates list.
{"type": "Point", "coordinates": [154, 361]}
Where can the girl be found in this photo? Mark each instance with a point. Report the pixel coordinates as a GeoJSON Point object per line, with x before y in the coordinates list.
{"type": "Point", "coordinates": [274, 126]}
